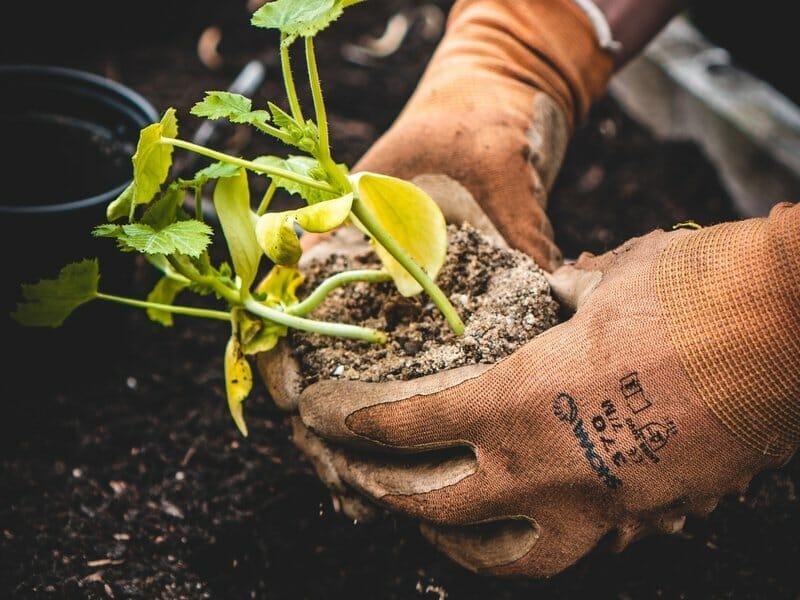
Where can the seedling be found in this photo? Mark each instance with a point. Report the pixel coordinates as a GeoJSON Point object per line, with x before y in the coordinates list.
{"type": "Point", "coordinates": [405, 226]}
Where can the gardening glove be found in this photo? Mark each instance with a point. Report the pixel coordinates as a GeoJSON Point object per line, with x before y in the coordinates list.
{"type": "Point", "coordinates": [495, 109]}
{"type": "Point", "coordinates": [676, 381]}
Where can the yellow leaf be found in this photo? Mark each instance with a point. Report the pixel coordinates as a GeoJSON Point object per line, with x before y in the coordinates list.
{"type": "Point", "coordinates": [232, 201]}
{"type": "Point", "coordinates": [256, 335]}
{"type": "Point", "coordinates": [238, 381]}
{"type": "Point", "coordinates": [152, 160]}
{"type": "Point", "coordinates": [280, 286]}
{"type": "Point", "coordinates": [412, 218]}
{"type": "Point", "coordinates": [277, 237]}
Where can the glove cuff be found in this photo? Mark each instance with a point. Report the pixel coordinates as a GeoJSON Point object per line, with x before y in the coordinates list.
{"type": "Point", "coordinates": [731, 297]}
{"type": "Point", "coordinates": [552, 45]}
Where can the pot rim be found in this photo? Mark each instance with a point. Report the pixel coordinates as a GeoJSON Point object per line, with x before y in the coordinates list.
{"type": "Point", "coordinates": [140, 109]}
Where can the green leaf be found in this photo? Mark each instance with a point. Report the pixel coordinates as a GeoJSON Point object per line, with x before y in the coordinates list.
{"type": "Point", "coordinates": [232, 202]}
{"type": "Point", "coordinates": [164, 292]}
{"type": "Point", "coordinates": [304, 136]}
{"type": "Point", "coordinates": [238, 381]}
{"type": "Point", "coordinates": [282, 119]}
{"type": "Point", "coordinates": [412, 218]}
{"type": "Point", "coordinates": [276, 235]}
{"type": "Point", "coordinates": [219, 170]}
{"type": "Point", "coordinates": [107, 230]}
{"type": "Point", "coordinates": [184, 237]}
{"type": "Point", "coordinates": [165, 210]}
{"type": "Point", "coordinates": [121, 206]}
{"type": "Point", "coordinates": [152, 160]}
{"type": "Point", "coordinates": [49, 302]}
{"type": "Point", "coordinates": [234, 107]}
{"type": "Point", "coordinates": [302, 165]}
{"type": "Point", "coordinates": [222, 105]}
{"type": "Point", "coordinates": [188, 237]}
{"type": "Point", "coordinates": [300, 18]}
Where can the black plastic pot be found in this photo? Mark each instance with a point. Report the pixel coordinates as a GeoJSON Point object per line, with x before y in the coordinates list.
{"type": "Point", "coordinates": [67, 141]}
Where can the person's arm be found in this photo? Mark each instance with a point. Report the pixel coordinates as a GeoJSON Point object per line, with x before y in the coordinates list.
{"type": "Point", "coordinates": [633, 23]}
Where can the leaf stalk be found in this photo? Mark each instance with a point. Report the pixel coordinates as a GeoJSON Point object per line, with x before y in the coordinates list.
{"type": "Point", "coordinates": [352, 332]}
{"type": "Point", "coordinates": [177, 310]}
{"type": "Point", "coordinates": [250, 165]}
{"type": "Point", "coordinates": [376, 230]}
{"type": "Point", "coordinates": [317, 297]}
{"type": "Point", "coordinates": [288, 79]}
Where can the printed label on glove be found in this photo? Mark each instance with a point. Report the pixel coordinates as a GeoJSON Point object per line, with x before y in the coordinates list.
{"type": "Point", "coordinates": [611, 433]}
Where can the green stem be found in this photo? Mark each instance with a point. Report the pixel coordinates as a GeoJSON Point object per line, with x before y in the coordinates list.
{"type": "Point", "coordinates": [334, 173]}
{"type": "Point", "coordinates": [230, 295]}
{"type": "Point", "coordinates": [235, 298]}
{"type": "Point", "coordinates": [177, 310]}
{"type": "Point", "coordinates": [316, 297]}
{"type": "Point", "coordinates": [352, 332]}
{"type": "Point", "coordinates": [273, 131]}
{"type": "Point", "coordinates": [265, 202]}
{"type": "Point", "coordinates": [247, 164]}
{"type": "Point", "coordinates": [198, 203]}
{"type": "Point", "coordinates": [319, 101]}
{"type": "Point", "coordinates": [288, 80]}
{"type": "Point", "coordinates": [392, 247]}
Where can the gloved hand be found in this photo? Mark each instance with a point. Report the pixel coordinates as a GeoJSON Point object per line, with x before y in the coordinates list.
{"type": "Point", "coordinates": [675, 382]}
{"type": "Point", "coordinates": [495, 109]}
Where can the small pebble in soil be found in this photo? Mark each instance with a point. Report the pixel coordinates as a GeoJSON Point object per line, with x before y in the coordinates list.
{"type": "Point", "coordinates": [501, 294]}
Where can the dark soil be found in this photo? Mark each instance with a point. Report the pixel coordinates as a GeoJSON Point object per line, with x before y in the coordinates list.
{"type": "Point", "coordinates": [501, 295]}
{"type": "Point", "coordinates": [135, 463]}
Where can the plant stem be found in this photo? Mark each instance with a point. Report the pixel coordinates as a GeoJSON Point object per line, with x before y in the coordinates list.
{"type": "Point", "coordinates": [392, 247]}
{"type": "Point", "coordinates": [352, 332]}
{"type": "Point", "coordinates": [316, 297]}
{"type": "Point", "coordinates": [288, 80]}
{"type": "Point", "coordinates": [319, 101]}
{"type": "Point", "coordinates": [198, 203]}
{"type": "Point", "coordinates": [247, 164]}
{"type": "Point", "coordinates": [265, 202]}
{"type": "Point", "coordinates": [324, 157]}
{"type": "Point", "coordinates": [178, 310]}
{"type": "Point", "coordinates": [273, 131]}
{"type": "Point", "coordinates": [230, 295]}
{"type": "Point", "coordinates": [243, 298]}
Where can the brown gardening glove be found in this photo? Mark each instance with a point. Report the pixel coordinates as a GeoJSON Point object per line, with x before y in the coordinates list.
{"type": "Point", "coordinates": [676, 381]}
{"type": "Point", "coordinates": [495, 109]}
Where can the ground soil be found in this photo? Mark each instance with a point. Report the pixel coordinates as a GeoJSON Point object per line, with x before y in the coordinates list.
{"type": "Point", "coordinates": [501, 294]}
{"type": "Point", "coordinates": [128, 480]}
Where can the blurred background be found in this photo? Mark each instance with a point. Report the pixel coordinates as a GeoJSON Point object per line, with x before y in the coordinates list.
{"type": "Point", "coordinates": [121, 474]}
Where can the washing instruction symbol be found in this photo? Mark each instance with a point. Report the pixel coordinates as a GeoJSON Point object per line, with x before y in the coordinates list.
{"type": "Point", "coordinates": [656, 434]}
